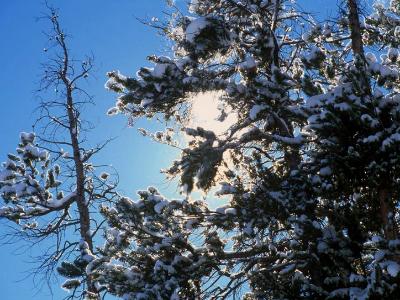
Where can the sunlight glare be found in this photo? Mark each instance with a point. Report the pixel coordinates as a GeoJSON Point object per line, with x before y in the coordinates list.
{"type": "Point", "coordinates": [205, 113]}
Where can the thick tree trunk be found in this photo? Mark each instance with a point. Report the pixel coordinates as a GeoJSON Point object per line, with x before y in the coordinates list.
{"type": "Point", "coordinates": [355, 28]}
{"type": "Point", "coordinates": [387, 215]}
{"type": "Point", "coordinates": [357, 45]}
{"type": "Point", "coordinates": [384, 194]}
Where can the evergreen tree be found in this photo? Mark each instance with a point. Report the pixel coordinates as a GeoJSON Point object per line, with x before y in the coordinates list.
{"type": "Point", "coordinates": [310, 166]}
{"type": "Point", "coordinates": [50, 187]}
{"type": "Point", "coordinates": [170, 249]}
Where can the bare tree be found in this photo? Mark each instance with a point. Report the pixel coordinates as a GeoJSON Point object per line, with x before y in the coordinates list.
{"type": "Point", "coordinates": [51, 188]}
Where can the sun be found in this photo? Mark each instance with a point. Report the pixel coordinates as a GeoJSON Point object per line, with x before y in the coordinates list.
{"type": "Point", "coordinates": [205, 113]}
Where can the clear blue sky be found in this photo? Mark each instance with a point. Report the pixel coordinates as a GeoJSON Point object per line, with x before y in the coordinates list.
{"type": "Point", "coordinates": [110, 30]}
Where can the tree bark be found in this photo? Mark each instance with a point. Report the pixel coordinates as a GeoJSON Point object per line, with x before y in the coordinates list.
{"type": "Point", "coordinates": [384, 194]}
{"type": "Point", "coordinates": [387, 215]}
{"type": "Point", "coordinates": [73, 130]}
{"type": "Point", "coordinates": [73, 125]}
{"type": "Point", "coordinates": [83, 209]}
{"type": "Point", "coordinates": [355, 28]}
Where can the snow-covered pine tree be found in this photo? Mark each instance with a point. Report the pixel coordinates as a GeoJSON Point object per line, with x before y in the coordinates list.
{"type": "Point", "coordinates": [50, 187]}
{"type": "Point", "coordinates": [182, 249]}
{"type": "Point", "coordinates": [310, 165]}
{"type": "Point", "coordinates": [354, 135]}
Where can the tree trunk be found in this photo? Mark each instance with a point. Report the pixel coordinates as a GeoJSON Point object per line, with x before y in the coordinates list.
{"type": "Point", "coordinates": [83, 210]}
{"type": "Point", "coordinates": [387, 215]}
{"type": "Point", "coordinates": [384, 194]}
{"type": "Point", "coordinates": [63, 69]}
{"type": "Point", "coordinates": [80, 176]}
{"type": "Point", "coordinates": [355, 28]}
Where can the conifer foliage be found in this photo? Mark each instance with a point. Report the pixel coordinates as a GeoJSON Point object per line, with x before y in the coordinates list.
{"type": "Point", "coordinates": [310, 166]}
{"type": "Point", "coordinates": [308, 173]}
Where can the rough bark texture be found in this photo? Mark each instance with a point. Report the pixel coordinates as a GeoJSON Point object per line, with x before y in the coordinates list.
{"type": "Point", "coordinates": [355, 28]}
{"type": "Point", "coordinates": [384, 194]}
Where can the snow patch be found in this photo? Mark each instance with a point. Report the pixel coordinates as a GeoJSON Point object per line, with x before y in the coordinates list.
{"type": "Point", "coordinates": [194, 28]}
{"type": "Point", "coordinates": [255, 110]}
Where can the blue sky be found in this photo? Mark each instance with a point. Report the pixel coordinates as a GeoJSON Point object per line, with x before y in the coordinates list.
{"type": "Point", "coordinates": [110, 30]}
